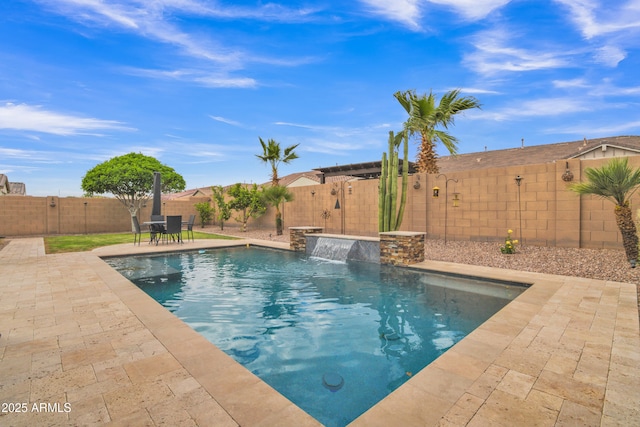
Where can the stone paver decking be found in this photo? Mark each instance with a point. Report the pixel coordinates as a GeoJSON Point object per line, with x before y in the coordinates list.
{"type": "Point", "coordinates": [89, 348]}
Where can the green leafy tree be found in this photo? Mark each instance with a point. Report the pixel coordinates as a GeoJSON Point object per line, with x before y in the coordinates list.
{"type": "Point", "coordinates": [130, 179]}
{"type": "Point", "coordinates": [272, 154]}
{"type": "Point", "coordinates": [205, 212]}
{"type": "Point", "coordinates": [274, 196]}
{"type": "Point", "coordinates": [424, 118]}
{"type": "Point", "coordinates": [248, 202]}
{"type": "Point", "coordinates": [617, 182]}
{"type": "Point", "coordinates": [224, 211]}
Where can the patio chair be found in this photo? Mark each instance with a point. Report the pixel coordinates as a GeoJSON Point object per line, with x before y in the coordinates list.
{"type": "Point", "coordinates": [137, 233]}
{"type": "Point", "coordinates": [156, 230]}
{"type": "Point", "coordinates": [174, 228]}
{"type": "Point", "coordinates": [192, 220]}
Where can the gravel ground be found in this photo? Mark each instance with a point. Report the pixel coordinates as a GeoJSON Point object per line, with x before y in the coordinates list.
{"type": "Point", "coordinates": [605, 264]}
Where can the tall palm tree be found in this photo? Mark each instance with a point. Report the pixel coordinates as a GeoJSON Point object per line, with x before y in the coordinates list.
{"type": "Point", "coordinates": [425, 117]}
{"type": "Point", "coordinates": [616, 181]}
{"type": "Point", "coordinates": [274, 196]}
{"type": "Point", "coordinates": [271, 153]}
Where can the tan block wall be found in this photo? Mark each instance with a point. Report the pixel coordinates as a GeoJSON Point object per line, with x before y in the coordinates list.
{"type": "Point", "coordinates": [542, 211]}
{"type": "Point", "coordinates": [39, 216]}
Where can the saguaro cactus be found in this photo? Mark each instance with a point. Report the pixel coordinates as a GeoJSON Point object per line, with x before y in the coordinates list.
{"type": "Point", "coordinates": [388, 218]}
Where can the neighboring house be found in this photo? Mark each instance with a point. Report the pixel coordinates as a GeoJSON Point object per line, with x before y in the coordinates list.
{"type": "Point", "coordinates": [616, 146]}
{"type": "Point", "coordinates": [4, 185]}
{"type": "Point", "coordinates": [367, 170]}
{"type": "Point", "coordinates": [299, 179]}
{"type": "Point", "coordinates": [197, 192]}
{"type": "Point", "coordinates": [11, 188]}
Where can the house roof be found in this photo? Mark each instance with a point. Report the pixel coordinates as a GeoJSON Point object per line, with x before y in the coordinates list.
{"type": "Point", "coordinates": [4, 184]}
{"type": "Point", "coordinates": [17, 189]}
{"type": "Point", "coordinates": [11, 188]}
{"type": "Point", "coordinates": [535, 154]}
{"type": "Point", "coordinates": [360, 170]}
{"type": "Point", "coordinates": [523, 155]}
{"type": "Point", "coordinates": [194, 192]}
{"type": "Point", "coordinates": [287, 180]}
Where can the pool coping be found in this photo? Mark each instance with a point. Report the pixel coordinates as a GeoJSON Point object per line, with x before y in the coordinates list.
{"type": "Point", "coordinates": [566, 350]}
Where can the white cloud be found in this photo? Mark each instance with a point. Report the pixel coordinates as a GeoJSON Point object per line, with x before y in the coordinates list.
{"type": "Point", "coordinates": [473, 90]}
{"type": "Point", "coordinates": [225, 81]}
{"type": "Point", "coordinates": [472, 9]}
{"type": "Point", "coordinates": [573, 83]}
{"type": "Point", "coordinates": [409, 12]}
{"type": "Point", "coordinates": [607, 88]}
{"type": "Point", "coordinates": [337, 131]}
{"type": "Point", "coordinates": [609, 55]}
{"type": "Point", "coordinates": [32, 118]}
{"type": "Point", "coordinates": [547, 107]}
{"type": "Point", "coordinates": [316, 145]}
{"type": "Point", "coordinates": [202, 78]}
{"type": "Point", "coordinates": [595, 131]}
{"type": "Point", "coordinates": [494, 55]}
{"type": "Point", "coordinates": [597, 18]}
{"type": "Point", "coordinates": [227, 121]}
{"type": "Point", "coordinates": [155, 20]}
{"type": "Point", "coordinates": [404, 11]}
{"type": "Point", "coordinates": [15, 153]}
{"type": "Point", "coordinates": [611, 27]}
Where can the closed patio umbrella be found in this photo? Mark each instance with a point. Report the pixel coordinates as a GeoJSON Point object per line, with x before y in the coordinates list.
{"type": "Point", "coordinates": [157, 194]}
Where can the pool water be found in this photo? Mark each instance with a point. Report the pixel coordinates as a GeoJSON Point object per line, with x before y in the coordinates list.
{"type": "Point", "coordinates": [334, 338]}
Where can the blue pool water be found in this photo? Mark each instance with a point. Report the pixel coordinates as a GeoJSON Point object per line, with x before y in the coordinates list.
{"type": "Point", "coordinates": [334, 338]}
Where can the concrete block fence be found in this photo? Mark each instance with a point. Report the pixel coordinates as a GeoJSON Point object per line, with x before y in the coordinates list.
{"type": "Point", "coordinates": [541, 211]}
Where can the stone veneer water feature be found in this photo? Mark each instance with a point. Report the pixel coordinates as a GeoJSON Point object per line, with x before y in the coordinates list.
{"type": "Point", "coordinates": [396, 247]}
{"type": "Point", "coordinates": [298, 239]}
{"type": "Point", "coordinates": [401, 247]}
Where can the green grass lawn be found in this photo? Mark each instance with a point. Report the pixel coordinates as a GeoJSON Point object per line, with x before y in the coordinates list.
{"type": "Point", "coordinates": [87, 242]}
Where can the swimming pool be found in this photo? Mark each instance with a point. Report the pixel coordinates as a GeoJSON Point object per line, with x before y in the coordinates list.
{"type": "Point", "coordinates": [334, 338]}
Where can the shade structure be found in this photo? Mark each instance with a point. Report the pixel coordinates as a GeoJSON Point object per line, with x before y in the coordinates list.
{"type": "Point", "coordinates": [157, 194]}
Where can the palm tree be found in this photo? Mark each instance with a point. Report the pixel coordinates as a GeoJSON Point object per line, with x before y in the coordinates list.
{"type": "Point", "coordinates": [274, 196]}
{"type": "Point", "coordinates": [617, 182]}
{"type": "Point", "coordinates": [271, 153]}
{"type": "Point", "coordinates": [425, 116]}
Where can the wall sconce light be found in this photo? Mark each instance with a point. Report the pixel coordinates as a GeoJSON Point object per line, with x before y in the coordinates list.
{"type": "Point", "coordinates": [349, 188]}
{"type": "Point", "coordinates": [518, 180]}
{"type": "Point", "coordinates": [567, 176]}
{"type": "Point", "coordinates": [313, 193]}
{"type": "Point", "coordinates": [52, 203]}
{"type": "Point", "coordinates": [436, 192]}
{"type": "Point", "coordinates": [456, 200]}
{"type": "Point", "coordinates": [416, 184]}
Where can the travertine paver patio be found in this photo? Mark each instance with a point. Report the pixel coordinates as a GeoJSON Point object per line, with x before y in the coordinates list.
{"type": "Point", "coordinates": [75, 332]}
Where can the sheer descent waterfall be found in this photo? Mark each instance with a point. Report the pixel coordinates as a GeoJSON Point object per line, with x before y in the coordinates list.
{"type": "Point", "coordinates": [343, 248]}
{"type": "Point", "coordinates": [334, 249]}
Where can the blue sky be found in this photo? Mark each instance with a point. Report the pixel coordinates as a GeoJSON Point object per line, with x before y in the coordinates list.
{"type": "Point", "coordinates": [194, 83]}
